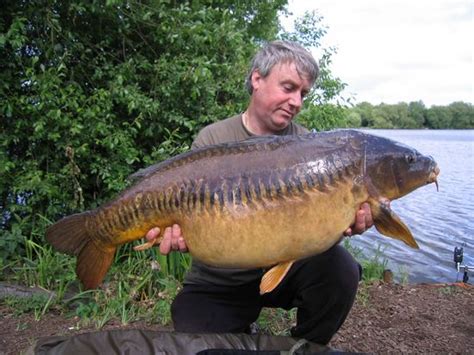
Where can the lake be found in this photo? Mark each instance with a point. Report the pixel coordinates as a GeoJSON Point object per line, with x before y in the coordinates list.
{"type": "Point", "coordinates": [440, 220]}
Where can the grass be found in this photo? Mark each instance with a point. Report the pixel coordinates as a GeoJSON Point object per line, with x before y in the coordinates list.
{"type": "Point", "coordinates": [276, 321]}
{"type": "Point", "coordinates": [139, 286]}
{"type": "Point", "coordinates": [372, 270]}
{"type": "Point", "coordinates": [134, 288]}
{"type": "Point", "coordinates": [448, 290]}
{"type": "Point", "coordinates": [37, 303]}
{"type": "Point", "coordinates": [373, 267]}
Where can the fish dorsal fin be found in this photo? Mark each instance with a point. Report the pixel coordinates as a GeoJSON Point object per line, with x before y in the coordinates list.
{"type": "Point", "coordinates": [389, 224]}
{"type": "Point", "coordinates": [362, 177]}
{"type": "Point", "coordinates": [273, 277]}
{"type": "Point", "coordinates": [364, 162]}
{"type": "Point", "coordinates": [143, 173]}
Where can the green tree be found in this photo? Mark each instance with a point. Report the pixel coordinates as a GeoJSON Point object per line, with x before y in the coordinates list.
{"type": "Point", "coordinates": [322, 116]}
{"type": "Point", "coordinates": [366, 113]}
{"type": "Point", "coordinates": [353, 119]}
{"type": "Point", "coordinates": [382, 117]}
{"type": "Point", "coordinates": [325, 106]}
{"type": "Point", "coordinates": [417, 112]}
{"type": "Point", "coordinates": [414, 115]}
{"type": "Point", "coordinates": [404, 119]}
{"type": "Point", "coordinates": [439, 117]}
{"type": "Point", "coordinates": [462, 115]}
{"type": "Point", "coordinates": [388, 115]}
{"type": "Point", "coordinates": [91, 91]}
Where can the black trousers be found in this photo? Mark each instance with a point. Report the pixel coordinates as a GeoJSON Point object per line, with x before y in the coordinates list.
{"type": "Point", "coordinates": [322, 288]}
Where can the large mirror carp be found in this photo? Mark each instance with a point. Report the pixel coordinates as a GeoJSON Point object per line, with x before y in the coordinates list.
{"type": "Point", "coordinates": [263, 202]}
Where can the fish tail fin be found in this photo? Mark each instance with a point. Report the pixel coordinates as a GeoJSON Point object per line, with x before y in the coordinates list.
{"type": "Point", "coordinates": [388, 223]}
{"type": "Point", "coordinates": [71, 236]}
{"type": "Point", "coordinates": [93, 263]}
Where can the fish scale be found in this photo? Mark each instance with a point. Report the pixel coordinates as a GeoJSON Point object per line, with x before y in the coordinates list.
{"type": "Point", "coordinates": [263, 202]}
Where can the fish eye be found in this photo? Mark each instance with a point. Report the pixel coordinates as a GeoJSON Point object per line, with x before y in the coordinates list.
{"type": "Point", "coordinates": [410, 158]}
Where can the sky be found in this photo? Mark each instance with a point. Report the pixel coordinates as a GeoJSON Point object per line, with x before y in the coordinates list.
{"type": "Point", "coordinates": [394, 51]}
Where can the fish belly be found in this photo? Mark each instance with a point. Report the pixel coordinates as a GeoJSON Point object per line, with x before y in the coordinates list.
{"type": "Point", "coordinates": [287, 228]}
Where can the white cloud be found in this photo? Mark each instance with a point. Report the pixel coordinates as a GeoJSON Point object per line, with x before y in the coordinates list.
{"type": "Point", "coordinates": [400, 50]}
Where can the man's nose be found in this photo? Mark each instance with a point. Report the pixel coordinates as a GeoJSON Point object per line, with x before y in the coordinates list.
{"type": "Point", "coordinates": [296, 100]}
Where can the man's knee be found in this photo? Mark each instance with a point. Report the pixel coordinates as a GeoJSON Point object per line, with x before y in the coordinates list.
{"type": "Point", "coordinates": [213, 309]}
{"type": "Point", "coordinates": [337, 268]}
{"type": "Point", "coordinates": [347, 272]}
{"type": "Point", "coordinates": [329, 286]}
{"type": "Point", "coordinates": [180, 315]}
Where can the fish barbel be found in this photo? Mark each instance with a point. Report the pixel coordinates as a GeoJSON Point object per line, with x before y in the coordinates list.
{"type": "Point", "coordinates": [267, 201]}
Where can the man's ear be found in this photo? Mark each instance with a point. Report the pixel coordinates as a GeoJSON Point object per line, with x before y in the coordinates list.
{"type": "Point", "coordinates": [256, 79]}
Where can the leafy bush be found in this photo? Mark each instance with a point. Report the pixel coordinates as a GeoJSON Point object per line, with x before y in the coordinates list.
{"type": "Point", "coordinates": [91, 91]}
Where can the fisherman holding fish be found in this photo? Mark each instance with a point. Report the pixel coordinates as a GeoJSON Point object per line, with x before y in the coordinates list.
{"type": "Point", "coordinates": [321, 287]}
{"type": "Point", "coordinates": [261, 217]}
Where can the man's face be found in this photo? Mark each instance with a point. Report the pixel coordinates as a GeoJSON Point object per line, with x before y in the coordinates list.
{"type": "Point", "coordinates": [278, 97]}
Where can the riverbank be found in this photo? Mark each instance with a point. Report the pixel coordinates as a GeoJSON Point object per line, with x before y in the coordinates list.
{"type": "Point", "coordinates": [421, 318]}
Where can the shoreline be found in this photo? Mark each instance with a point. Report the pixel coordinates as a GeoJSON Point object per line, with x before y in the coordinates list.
{"type": "Point", "coordinates": [386, 317]}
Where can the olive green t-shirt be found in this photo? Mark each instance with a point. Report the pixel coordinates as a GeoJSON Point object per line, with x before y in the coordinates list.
{"type": "Point", "coordinates": [229, 130]}
{"type": "Point", "coordinates": [233, 130]}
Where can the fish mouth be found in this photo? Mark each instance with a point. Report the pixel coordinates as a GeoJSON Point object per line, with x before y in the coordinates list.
{"type": "Point", "coordinates": [433, 177]}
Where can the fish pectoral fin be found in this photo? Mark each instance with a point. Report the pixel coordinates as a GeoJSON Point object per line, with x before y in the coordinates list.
{"type": "Point", "coordinates": [389, 224]}
{"type": "Point", "coordinates": [273, 277]}
{"type": "Point", "coordinates": [148, 244]}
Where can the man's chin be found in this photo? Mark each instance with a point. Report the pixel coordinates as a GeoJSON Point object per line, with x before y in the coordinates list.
{"type": "Point", "coordinates": [282, 122]}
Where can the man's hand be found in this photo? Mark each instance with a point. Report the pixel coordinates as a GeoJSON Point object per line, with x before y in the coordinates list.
{"type": "Point", "coordinates": [363, 221]}
{"type": "Point", "coordinates": [173, 239]}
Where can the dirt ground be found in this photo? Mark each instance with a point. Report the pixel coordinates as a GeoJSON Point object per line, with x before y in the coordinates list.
{"type": "Point", "coordinates": [422, 318]}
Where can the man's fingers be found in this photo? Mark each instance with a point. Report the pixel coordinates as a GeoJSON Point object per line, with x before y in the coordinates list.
{"type": "Point", "coordinates": [177, 240]}
{"type": "Point", "coordinates": [359, 225]}
{"type": "Point", "coordinates": [365, 207]}
{"type": "Point", "coordinates": [165, 245]}
{"type": "Point", "coordinates": [182, 245]}
{"type": "Point", "coordinates": [367, 215]}
{"type": "Point", "coordinates": [152, 234]}
{"type": "Point", "coordinates": [176, 230]}
{"type": "Point", "coordinates": [173, 240]}
{"type": "Point", "coordinates": [360, 221]}
{"type": "Point", "coordinates": [363, 221]}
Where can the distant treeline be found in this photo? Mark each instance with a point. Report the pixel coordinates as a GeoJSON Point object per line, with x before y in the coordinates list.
{"type": "Point", "coordinates": [412, 115]}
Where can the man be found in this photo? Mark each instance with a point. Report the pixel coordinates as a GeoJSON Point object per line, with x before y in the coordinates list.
{"type": "Point", "coordinates": [322, 287]}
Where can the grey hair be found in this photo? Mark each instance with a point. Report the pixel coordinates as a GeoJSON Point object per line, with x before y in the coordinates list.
{"type": "Point", "coordinates": [277, 52]}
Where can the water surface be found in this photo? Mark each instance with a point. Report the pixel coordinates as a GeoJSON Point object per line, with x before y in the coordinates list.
{"type": "Point", "coordinates": [438, 220]}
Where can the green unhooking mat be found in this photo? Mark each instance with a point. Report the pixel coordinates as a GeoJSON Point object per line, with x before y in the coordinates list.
{"type": "Point", "coordinates": [134, 341]}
